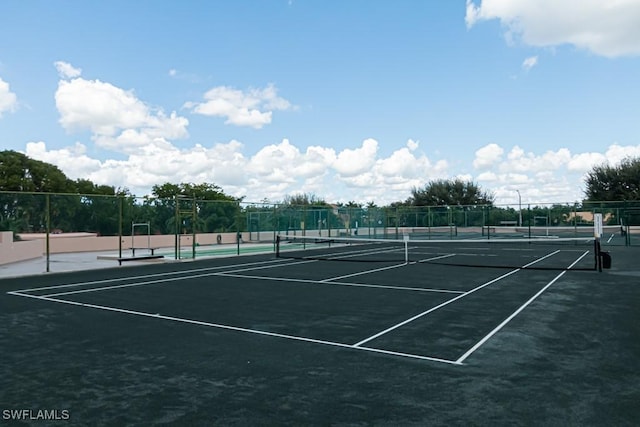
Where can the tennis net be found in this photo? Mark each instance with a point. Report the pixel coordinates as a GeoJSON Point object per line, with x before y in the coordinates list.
{"type": "Point", "coordinates": [544, 232]}
{"type": "Point", "coordinates": [535, 254]}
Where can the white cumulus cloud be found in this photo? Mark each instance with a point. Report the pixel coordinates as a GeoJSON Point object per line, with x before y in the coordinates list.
{"type": "Point", "coordinates": [529, 63]}
{"type": "Point", "coordinates": [8, 99]}
{"type": "Point", "coordinates": [283, 169]}
{"type": "Point", "coordinates": [412, 145]}
{"type": "Point", "coordinates": [551, 176]}
{"type": "Point", "coordinates": [72, 160]}
{"type": "Point", "coordinates": [488, 156]}
{"type": "Point", "coordinates": [519, 161]}
{"type": "Point", "coordinates": [616, 153]}
{"type": "Point", "coordinates": [353, 162]}
{"type": "Point", "coordinates": [66, 70]}
{"type": "Point", "coordinates": [605, 28]}
{"type": "Point", "coordinates": [253, 108]}
{"type": "Point", "coordinates": [117, 119]}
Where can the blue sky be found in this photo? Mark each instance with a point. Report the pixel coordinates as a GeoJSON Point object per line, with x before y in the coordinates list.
{"type": "Point", "coordinates": [349, 101]}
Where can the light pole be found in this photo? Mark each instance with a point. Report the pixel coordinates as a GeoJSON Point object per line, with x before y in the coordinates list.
{"type": "Point", "coordinates": [519, 209]}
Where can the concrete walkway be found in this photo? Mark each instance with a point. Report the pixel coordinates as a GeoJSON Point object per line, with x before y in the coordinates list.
{"type": "Point", "coordinates": [64, 262]}
{"type": "Point", "coordinates": [59, 263]}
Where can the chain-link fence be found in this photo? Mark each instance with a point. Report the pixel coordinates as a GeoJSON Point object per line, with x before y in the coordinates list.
{"type": "Point", "coordinates": [264, 222]}
{"type": "Point", "coordinates": [187, 226]}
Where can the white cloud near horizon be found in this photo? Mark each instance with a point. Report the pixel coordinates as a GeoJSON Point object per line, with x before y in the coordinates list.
{"type": "Point", "coordinates": [604, 28]}
{"type": "Point", "coordinates": [253, 107]}
{"type": "Point", "coordinates": [8, 99]}
{"type": "Point", "coordinates": [283, 169]}
{"type": "Point", "coordinates": [545, 177]}
{"type": "Point", "coordinates": [276, 171]}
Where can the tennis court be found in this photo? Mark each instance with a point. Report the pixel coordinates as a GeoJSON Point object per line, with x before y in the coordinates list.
{"type": "Point", "coordinates": [352, 335]}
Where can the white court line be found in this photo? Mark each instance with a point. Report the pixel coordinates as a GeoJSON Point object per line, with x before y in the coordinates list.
{"type": "Point", "coordinates": [360, 273]}
{"type": "Point", "coordinates": [145, 276]}
{"type": "Point", "coordinates": [515, 313]}
{"type": "Point", "coordinates": [233, 274]}
{"type": "Point", "coordinates": [230, 274]}
{"type": "Point", "coordinates": [151, 282]}
{"type": "Point", "coordinates": [339, 254]}
{"type": "Point", "coordinates": [130, 285]}
{"type": "Point", "coordinates": [364, 252]}
{"type": "Point", "coordinates": [346, 249]}
{"type": "Point", "coordinates": [264, 267]}
{"type": "Point", "coordinates": [236, 328]}
{"type": "Point", "coordinates": [424, 313]}
{"type": "Point", "coordinates": [322, 282]}
{"type": "Point", "coordinates": [434, 258]}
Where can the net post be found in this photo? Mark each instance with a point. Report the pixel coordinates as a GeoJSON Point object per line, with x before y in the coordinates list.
{"type": "Point", "coordinates": [597, 233]}
{"type": "Point", "coordinates": [278, 246]}
{"type": "Point", "coordinates": [406, 248]}
{"type": "Point", "coordinates": [48, 225]}
{"type": "Point", "coordinates": [627, 235]}
{"type": "Point", "coordinates": [597, 250]}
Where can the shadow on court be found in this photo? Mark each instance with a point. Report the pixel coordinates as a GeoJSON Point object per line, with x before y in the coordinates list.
{"type": "Point", "coordinates": [263, 341]}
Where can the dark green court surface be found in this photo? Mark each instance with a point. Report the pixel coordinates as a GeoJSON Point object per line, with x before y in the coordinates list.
{"type": "Point", "coordinates": [259, 340]}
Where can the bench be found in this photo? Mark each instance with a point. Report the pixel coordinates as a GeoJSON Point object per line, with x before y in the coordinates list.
{"type": "Point", "coordinates": [138, 258]}
{"type": "Point", "coordinates": [133, 250]}
{"type": "Point", "coordinates": [512, 223]}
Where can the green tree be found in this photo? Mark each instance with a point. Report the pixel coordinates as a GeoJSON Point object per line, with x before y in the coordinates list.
{"type": "Point", "coordinates": [95, 208]}
{"type": "Point", "coordinates": [85, 186]}
{"type": "Point", "coordinates": [204, 191]}
{"type": "Point", "coordinates": [614, 183]}
{"type": "Point", "coordinates": [303, 200]}
{"type": "Point", "coordinates": [74, 206]}
{"type": "Point", "coordinates": [216, 211]}
{"type": "Point", "coordinates": [450, 193]}
{"type": "Point", "coordinates": [22, 210]}
{"type": "Point", "coordinates": [21, 173]}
